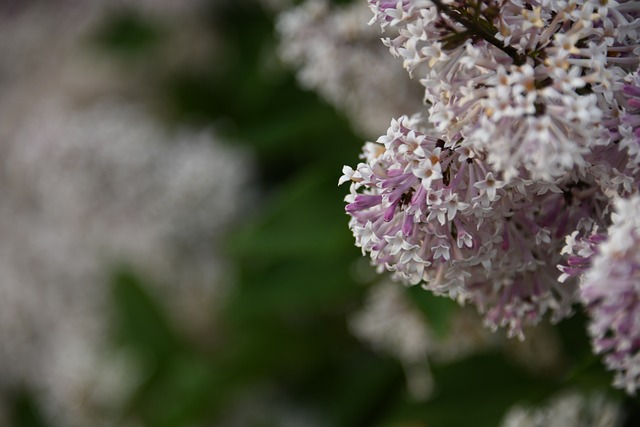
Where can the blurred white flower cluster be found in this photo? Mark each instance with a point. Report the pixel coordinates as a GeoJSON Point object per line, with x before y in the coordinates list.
{"type": "Point", "coordinates": [85, 191]}
{"type": "Point", "coordinates": [391, 323]}
{"type": "Point", "coordinates": [341, 57]}
{"type": "Point", "coordinates": [91, 181]}
{"type": "Point", "coordinates": [267, 405]}
{"type": "Point", "coordinates": [530, 131]}
{"type": "Point", "coordinates": [611, 292]}
{"type": "Point", "coordinates": [568, 409]}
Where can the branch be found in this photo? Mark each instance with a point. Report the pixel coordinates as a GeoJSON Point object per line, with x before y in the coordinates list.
{"type": "Point", "coordinates": [479, 31]}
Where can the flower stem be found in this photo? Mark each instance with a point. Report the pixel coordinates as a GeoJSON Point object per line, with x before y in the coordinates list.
{"type": "Point", "coordinates": [479, 31]}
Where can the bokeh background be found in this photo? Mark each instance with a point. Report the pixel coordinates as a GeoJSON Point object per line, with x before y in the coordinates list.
{"type": "Point", "coordinates": [173, 245]}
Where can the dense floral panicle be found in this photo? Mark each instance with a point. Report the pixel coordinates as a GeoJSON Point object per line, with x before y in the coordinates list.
{"type": "Point", "coordinates": [432, 211]}
{"type": "Point", "coordinates": [611, 293]}
{"type": "Point", "coordinates": [580, 251]}
{"type": "Point", "coordinates": [629, 124]}
{"type": "Point", "coordinates": [522, 81]}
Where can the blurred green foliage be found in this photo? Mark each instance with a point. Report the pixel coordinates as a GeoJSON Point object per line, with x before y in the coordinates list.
{"type": "Point", "coordinates": [285, 322]}
{"type": "Point", "coordinates": [25, 411]}
{"type": "Point", "coordinates": [125, 32]}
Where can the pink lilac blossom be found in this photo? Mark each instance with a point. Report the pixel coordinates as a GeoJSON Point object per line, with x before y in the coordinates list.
{"type": "Point", "coordinates": [629, 128]}
{"type": "Point", "coordinates": [433, 212]}
{"type": "Point", "coordinates": [611, 293]}
{"type": "Point", "coordinates": [531, 131]}
{"type": "Point", "coordinates": [521, 81]}
{"type": "Point", "coordinates": [580, 251]}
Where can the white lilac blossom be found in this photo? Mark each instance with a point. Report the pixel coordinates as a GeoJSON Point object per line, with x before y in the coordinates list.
{"type": "Point", "coordinates": [89, 182]}
{"type": "Point", "coordinates": [569, 409]}
{"type": "Point", "coordinates": [83, 191]}
{"type": "Point", "coordinates": [610, 292]}
{"type": "Point", "coordinates": [340, 56]}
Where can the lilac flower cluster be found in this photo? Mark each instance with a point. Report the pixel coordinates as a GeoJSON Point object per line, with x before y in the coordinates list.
{"type": "Point", "coordinates": [611, 293]}
{"type": "Point", "coordinates": [526, 82]}
{"type": "Point", "coordinates": [531, 130]}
